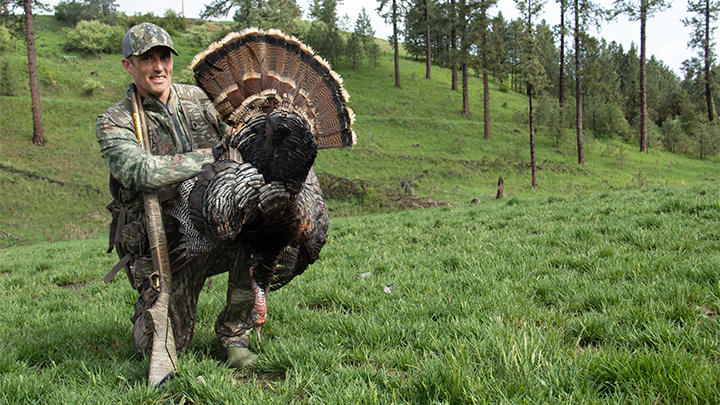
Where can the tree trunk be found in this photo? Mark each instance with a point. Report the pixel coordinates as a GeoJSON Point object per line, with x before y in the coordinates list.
{"type": "Point", "coordinates": [428, 64]}
{"type": "Point", "coordinates": [466, 97]}
{"type": "Point", "coordinates": [708, 63]}
{"type": "Point", "coordinates": [32, 68]}
{"type": "Point", "coordinates": [578, 90]}
{"type": "Point", "coordinates": [561, 84]}
{"type": "Point", "coordinates": [486, 100]}
{"type": "Point", "coordinates": [453, 47]}
{"type": "Point", "coordinates": [395, 44]}
{"type": "Point", "coordinates": [643, 79]}
{"type": "Point", "coordinates": [454, 70]}
{"type": "Point", "coordinates": [6, 13]}
{"type": "Point", "coordinates": [464, 58]}
{"type": "Point", "coordinates": [500, 189]}
{"type": "Point", "coordinates": [532, 136]}
{"type": "Point", "coordinates": [486, 78]}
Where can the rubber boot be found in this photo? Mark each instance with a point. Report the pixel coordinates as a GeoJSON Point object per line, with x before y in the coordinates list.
{"type": "Point", "coordinates": [240, 357]}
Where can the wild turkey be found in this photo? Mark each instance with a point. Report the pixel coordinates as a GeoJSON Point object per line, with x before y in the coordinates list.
{"type": "Point", "coordinates": [284, 103]}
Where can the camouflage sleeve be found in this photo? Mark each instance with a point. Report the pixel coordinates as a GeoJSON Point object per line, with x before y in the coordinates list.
{"type": "Point", "coordinates": [137, 169]}
{"type": "Point", "coordinates": [222, 126]}
{"type": "Point", "coordinates": [211, 114]}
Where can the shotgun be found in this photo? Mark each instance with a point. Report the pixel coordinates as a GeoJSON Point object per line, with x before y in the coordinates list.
{"type": "Point", "coordinates": [163, 358]}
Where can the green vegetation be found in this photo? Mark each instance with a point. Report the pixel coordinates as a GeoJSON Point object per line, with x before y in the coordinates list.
{"type": "Point", "coordinates": [416, 134]}
{"type": "Point", "coordinates": [600, 286]}
{"type": "Point", "coordinates": [604, 298]}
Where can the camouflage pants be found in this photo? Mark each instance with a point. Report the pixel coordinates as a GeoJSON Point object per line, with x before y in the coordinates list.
{"type": "Point", "coordinates": [234, 321]}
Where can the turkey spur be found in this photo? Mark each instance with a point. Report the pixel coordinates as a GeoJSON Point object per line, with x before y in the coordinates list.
{"type": "Point", "coordinates": [261, 198]}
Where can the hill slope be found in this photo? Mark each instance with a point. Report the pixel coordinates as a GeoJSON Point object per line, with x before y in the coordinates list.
{"type": "Point", "coordinates": [416, 134]}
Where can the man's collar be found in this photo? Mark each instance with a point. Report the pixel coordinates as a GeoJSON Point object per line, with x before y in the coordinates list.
{"type": "Point", "coordinates": [172, 99]}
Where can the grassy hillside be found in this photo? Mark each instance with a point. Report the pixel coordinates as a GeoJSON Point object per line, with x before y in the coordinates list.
{"type": "Point", "coordinates": [609, 298]}
{"type": "Point", "coordinates": [601, 286]}
{"type": "Point", "coordinates": [415, 134]}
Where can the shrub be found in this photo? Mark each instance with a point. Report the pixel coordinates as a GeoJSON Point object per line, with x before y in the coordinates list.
{"type": "Point", "coordinates": [199, 35]}
{"type": "Point", "coordinates": [90, 86]}
{"type": "Point", "coordinates": [94, 37]}
{"type": "Point", "coordinates": [6, 40]}
{"type": "Point", "coordinates": [69, 12]}
{"type": "Point", "coordinates": [73, 12]}
{"type": "Point", "coordinates": [373, 53]}
{"type": "Point", "coordinates": [326, 41]}
{"type": "Point", "coordinates": [132, 20]}
{"type": "Point", "coordinates": [172, 22]}
{"type": "Point", "coordinates": [673, 137]}
{"type": "Point", "coordinates": [48, 78]}
{"type": "Point", "coordinates": [547, 114]}
{"type": "Point", "coordinates": [609, 121]}
{"type": "Point", "coordinates": [707, 136]}
{"type": "Point", "coordinates": [372, 196]}
{"type": "Point", "coordinates": [7, 81]}
{"type": "Point", "coordinates": [354, 51]}
{"type": "Point", "coordinates": [184, 76]}
{"type": "Point", "coordinates": [504, 86]}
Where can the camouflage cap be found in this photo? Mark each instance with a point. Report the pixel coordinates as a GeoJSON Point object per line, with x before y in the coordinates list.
{"type": "Point", "coordinates": [142, 37]}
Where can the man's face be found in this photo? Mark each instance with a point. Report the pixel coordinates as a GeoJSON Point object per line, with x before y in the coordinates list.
{"type": "Point", "coordinates": [152, 72]}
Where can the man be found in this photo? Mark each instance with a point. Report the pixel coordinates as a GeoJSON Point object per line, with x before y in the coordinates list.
{"type": "Point", "coordinates": [182, 128]}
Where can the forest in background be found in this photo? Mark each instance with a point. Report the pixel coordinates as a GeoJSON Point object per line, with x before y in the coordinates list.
{"type": "Point", "coordinates": [553, 64]}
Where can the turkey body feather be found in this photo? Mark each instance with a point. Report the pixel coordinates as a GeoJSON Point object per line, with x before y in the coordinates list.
{"type": "Point", "coordinates": [283, 103]}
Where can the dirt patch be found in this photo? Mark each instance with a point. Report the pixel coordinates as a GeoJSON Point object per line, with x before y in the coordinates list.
{"type": "Point", "coordinates": [74, 286]}
{"type": "Point", "coordinates": [414, 203]}
{"type": "Point", "coordinates": [340, 188]}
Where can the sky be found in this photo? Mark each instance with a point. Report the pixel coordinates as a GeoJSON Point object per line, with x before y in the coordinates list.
{"type": "Point", "coordinates": [667, 37]}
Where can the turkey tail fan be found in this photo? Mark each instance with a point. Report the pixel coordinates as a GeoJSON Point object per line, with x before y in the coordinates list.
{"type": "Point", "coordinates": [241, 70]}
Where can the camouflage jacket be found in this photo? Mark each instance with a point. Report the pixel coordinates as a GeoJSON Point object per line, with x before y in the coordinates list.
{"type": "Point", "coordinates": [179, 135]}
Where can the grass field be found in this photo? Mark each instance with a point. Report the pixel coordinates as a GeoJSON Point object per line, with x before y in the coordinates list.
{"type": "Point", "coordinates": [601, 286]}
{"type": "Point", "coordinates": [603, 298]}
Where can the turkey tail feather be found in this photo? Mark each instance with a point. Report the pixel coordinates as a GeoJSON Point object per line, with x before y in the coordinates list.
{"type": "Point", "coordinates": [239, 70]}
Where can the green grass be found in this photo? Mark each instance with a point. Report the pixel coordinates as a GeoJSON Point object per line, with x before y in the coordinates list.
{"type": "Point", "coordinates": [604, 298]}
{"type": "Point", "coordinates": [600, 286]}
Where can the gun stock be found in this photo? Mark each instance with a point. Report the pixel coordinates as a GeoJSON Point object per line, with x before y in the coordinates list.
{"type": "Point", "coordinates": [163, 359]}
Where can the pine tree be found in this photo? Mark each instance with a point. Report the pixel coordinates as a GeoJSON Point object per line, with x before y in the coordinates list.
{"type": "Point", "coordinates": [325, 11]}
{"type": "Point", "coordinates": [453, 45]}
{"type": "Point", "coordinates": [496, 45]}
{"type": "Point", "coordinates": [354, 50]}
{"type": "Point", "coordinates": [364, 29]}
{"type": "Point", "coordinates": [394, 16]}
{"type": "Point", "coordinates": [465, 11]}
{"type": "Point", "coordinates": [19, 16]}
{"type": "Point", "coordinates": [38, 138]}
{"type": "Point", "coordinates": [428, 55]}
{"type": "Point", "coordinates": [578, 88]}
{"type": "Point", "coordinates": [513, 40]}
{"type": "Point", "coordinates": [561, 79]}
{"type": "Point", "coordinates": [702, 40]}
{"type": "Point", "coordinates": [486, 55]}
{"type": "Point", "coordinates": [532, 72]}
{"type": "Point", "coordinates": [641, 12]}
{"type": "Point", "coordinates": [266, 14]}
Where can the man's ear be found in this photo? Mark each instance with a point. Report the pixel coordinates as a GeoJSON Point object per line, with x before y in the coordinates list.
{"type": "Point", "coordinates": [127, 65]}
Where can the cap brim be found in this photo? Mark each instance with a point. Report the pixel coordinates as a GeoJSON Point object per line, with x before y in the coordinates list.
{"type": "Point", "coordinates": [143, 50]}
